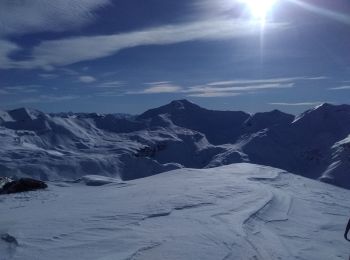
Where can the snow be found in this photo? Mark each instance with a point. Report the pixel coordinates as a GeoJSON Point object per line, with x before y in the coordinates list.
{"type": "Point", "coordinates": [96, 180]}
{"type": "Point", "coordinates": [239, 211]}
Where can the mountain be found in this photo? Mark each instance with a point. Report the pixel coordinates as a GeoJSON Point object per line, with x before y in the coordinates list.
{"type": "Point", "coordinates": [260, 121]}
{"type": "Point", "coordinates": [306, 145]}
{"type": "Point", "coordinates": [180, 134]}
{"type": "Point", "coordinates": [239, 211]}
{"type": "Point", "coordinates": [220, 127]}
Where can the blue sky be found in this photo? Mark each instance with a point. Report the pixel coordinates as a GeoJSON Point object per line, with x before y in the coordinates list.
{"type": "Point", "coordinates": [131, 55]}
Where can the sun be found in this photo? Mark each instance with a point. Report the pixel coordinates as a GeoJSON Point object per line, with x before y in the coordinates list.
{"type": "Point", "coordinates": [259, 9]}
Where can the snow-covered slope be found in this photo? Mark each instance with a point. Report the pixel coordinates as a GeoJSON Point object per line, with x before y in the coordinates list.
{"type": "Point", "coordinates": [180, 134]}
{"type": "Point", "coordinates": [240, 211]}
{"type": "Point", "coordinates": [338, 172]}
{"type": "Point", "coordinates": [306, 145]}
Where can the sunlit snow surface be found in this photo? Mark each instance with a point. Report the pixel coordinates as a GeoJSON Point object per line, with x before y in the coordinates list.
{"type": "Point", "coordinates": [240, 211]}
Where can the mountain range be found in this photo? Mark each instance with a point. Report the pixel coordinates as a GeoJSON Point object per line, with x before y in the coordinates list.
{"type": "Point", "coordinates": [67, 146]}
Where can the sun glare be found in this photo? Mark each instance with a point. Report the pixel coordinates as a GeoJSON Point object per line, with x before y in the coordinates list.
{"type": "Point", "coordinates": [259, 9]}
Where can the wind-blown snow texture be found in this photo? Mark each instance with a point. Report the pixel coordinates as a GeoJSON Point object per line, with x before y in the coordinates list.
{"type": "Point", "coordinates": [240, 211]}
{"type": "Point", "coordinates": [180, 134]}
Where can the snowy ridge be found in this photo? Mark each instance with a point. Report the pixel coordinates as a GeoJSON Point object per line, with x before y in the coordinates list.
{"type": "Point", "coordinates": [239, 211]}
{"type": "Point", "coordinates": [179, 134]}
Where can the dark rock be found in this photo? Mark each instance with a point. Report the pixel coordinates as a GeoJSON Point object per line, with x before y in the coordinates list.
{"type": "Point", "coordinates": [22, 185]}
{"type": "Point", "coordinates": [149, 151]}
{"type": "Point", "coordinates": [9, 239]}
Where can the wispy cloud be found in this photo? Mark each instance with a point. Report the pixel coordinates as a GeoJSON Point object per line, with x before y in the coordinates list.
{"type": "Point", "coordinates": [77, 49]}
{"type": "Point", "coordinates": [29, 16]}
{"type": "Point", "coordinates": [6, 48]}
{"type": "Point", "coordinates": [109, 94]}
{"type": "Point", "coordinates": [46, 99]}
{"type": "Point", "coordinates": [254, 81]}
{"type": "Point", "coordinates": [229, 90]}
{"type": "Point", "coordinates": [341, 88]}
{"type": "Point", "coordinates": [318, 78]}
{"type": "Point", "coordinates": [87, 79]}
{"type": "Point", "coordinates": [263, 81]}
{"type": "Point", "coordinates": [244, 86]}
{"type": "Point", "coordinates": [159, 89]}
{"type": "Point", "coordinates": [20, 89]}
{"type": "Point", "coordinates": [111, 84]}
{"type": "Point", "coordinates": [25, 16]}
{"type": "Point", "coordinates": [158, 83]}
{"type": "Point", "coordinates": [4, 92]}
{"type": "Point", "coordinates": [213, 94]}
{"type": "Point", "coordinates": [218, 88]}
{"type": "Point", "coordinates": [296, 104]}
{"type": "Point", "coordinates": [48, 76]}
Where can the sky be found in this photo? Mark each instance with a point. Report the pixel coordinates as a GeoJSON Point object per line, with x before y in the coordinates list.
{"type": "Point", "coordinates": [126, 56]}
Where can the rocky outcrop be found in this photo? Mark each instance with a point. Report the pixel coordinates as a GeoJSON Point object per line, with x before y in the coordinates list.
{"type": "Point", "coordinates": [22, 185]}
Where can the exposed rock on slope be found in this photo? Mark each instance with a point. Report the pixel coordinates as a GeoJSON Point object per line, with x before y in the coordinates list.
{"type": "Point", "coordinates": [22, 185]}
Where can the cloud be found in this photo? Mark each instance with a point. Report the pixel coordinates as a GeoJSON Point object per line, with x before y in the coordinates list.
{"type": "Point", "coordinates": [46, 99]}
{"type": "Point", "coordinates": [243, 86]}
{"type": "Point", "coordinates": [219, 88]}
{"type": "Point", "coordinates": [30, 16]}
{"type": "Point", "coordinates": [159, 89]}
{"type": "Point", "coordinates": [109, 94]}
{"type": "Point", "coordinates": [111, 84]}
{"type": "Point", "coordinates": [48, 76]}
{"type": "Point", "coordinates": [207, 88]}
{"type": "Point", "coordinates": [340, 88]}
{"type": "Point", "coordinates": [27, 16]}
{"type": "Point", "coordinates": [6, 48]}
{"type": "Point", "coordinates": [4, 92]}
{"type": "Point", "coordinates": [318, 78]}
{"type": "Point", "coordinates": [225, 89]}
{"type": "Point", "coordinates": [253, 81]}
{"type": "Point", "coordinates": [263, 81]}
{"type": "Point", "coordinates": [77, 49]}
{"type": "Point", "coordinates": [214, 94]}
{"type": "Point", "coordinates": [158, 83]}
{"type": "Point", "coordinates": [17, 89]}
{"type": "Point", "coordinates": [87, 79]}
{"type": "Point", "coordinates": [296, 104]}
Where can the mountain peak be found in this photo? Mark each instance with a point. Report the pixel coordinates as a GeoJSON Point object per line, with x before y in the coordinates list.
{"type": "Point", "coordinates": [183, 104]}
{"type": "Point", "coordinates": [323, 106]}
{"type": "Point", "coordinates": [325, 109]}
{"type": "Point", "coordinates": [24, 113]}
{"type": "Point", "coordinates": [176, 106]}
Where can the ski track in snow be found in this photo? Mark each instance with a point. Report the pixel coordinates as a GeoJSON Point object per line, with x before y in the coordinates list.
{"type": "Point", "coordinates": [240, 211]}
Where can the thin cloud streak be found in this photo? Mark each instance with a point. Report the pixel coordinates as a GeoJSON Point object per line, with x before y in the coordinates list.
{"type": "Point", "coordinates": [340, 88]}
{"type": "Point", "coordinates": [77, 49]}
{"type": "Point", "coordinates": [296, 104]}
{"type": "Point", "coordinates": [214, 94]}
{"type": "Point", "coordinates": [219, 89]}
{"type": "Point", "coordinates": [159, 89]}
{"type": "Point", "coordinates": [263, 81]}
{"type": "Point", "coordinates": [111, 84]}
{"type": "Point", "coordinates": [47, 99]}
{"type": "Point", "coordinates": [240, 88]}
{"type": "Point", "coordinates": [87, 79]}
